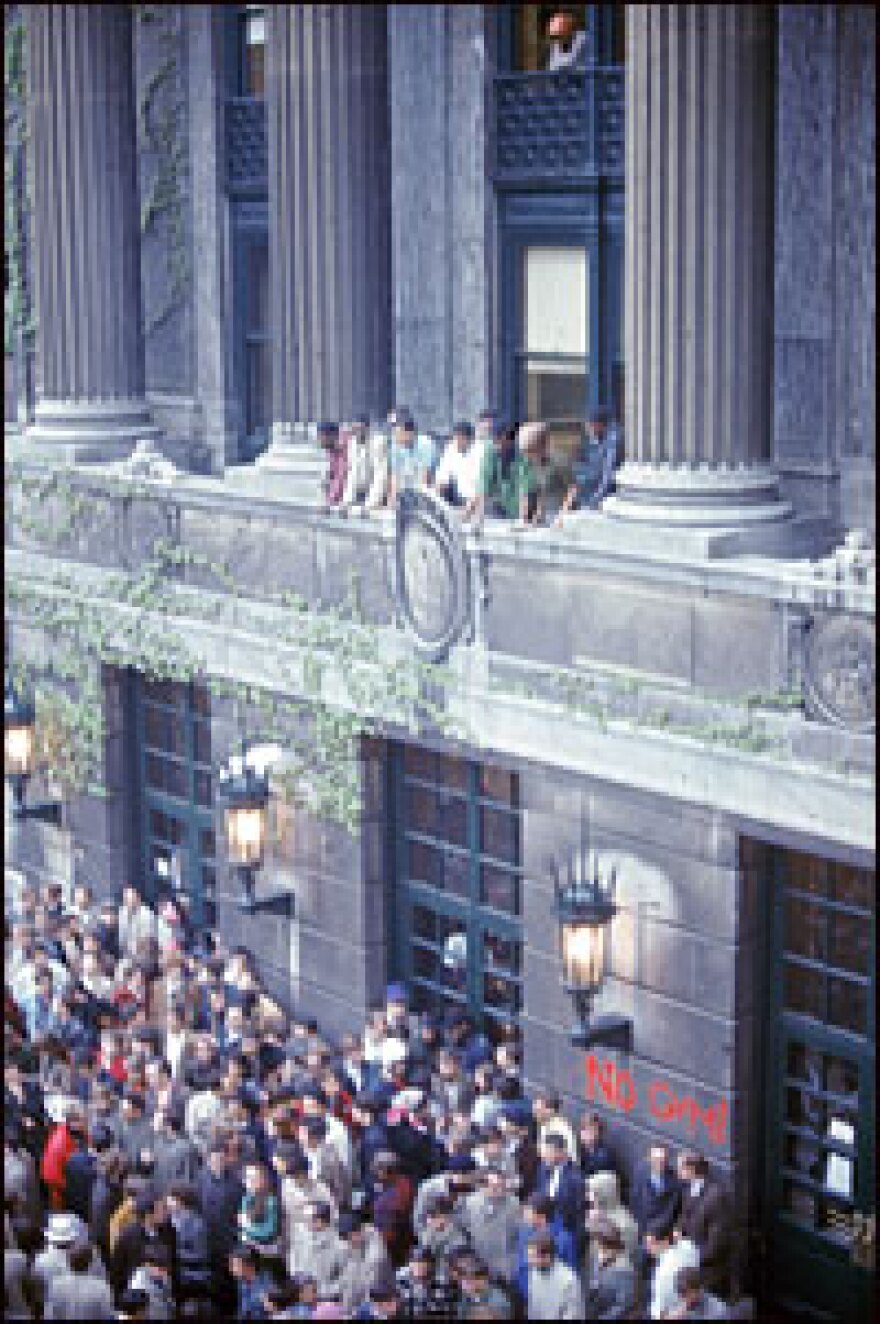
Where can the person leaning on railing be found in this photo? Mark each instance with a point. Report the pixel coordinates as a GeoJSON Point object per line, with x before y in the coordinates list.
{"type": "Point", "coordinates": [506, 481]}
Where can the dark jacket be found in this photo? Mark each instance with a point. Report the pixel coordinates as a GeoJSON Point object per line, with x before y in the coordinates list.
{"type": "Point", "coordinates": [392, 1216]}
{"type": "Point", "coordinates": [707, 1221]}
{"type": "Point", "coordinates": [597, 1159]}
{"type": "Point", "coordinates": [220, 1199]}
{"type": "Point", "coordinates": [79, 1178]}
{"type": "Point", "coordinates": [126, 1256]}
{"type": "Point", "coordinates": [569, 1201]}
{"type": "Point", "coordinates": [656, 1210]}
{"type": "Point", "coordinates": [105, 1200]}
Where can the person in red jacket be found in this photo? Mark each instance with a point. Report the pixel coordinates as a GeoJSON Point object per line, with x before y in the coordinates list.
{"type": "Point", "coordinates": [60, 1144]}
{"type": "Point", "coordinates": [392, 1207]}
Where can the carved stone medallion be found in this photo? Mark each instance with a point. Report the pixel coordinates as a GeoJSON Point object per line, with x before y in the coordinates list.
{"type": "Point", "coordinates": [840, 664]}
{"type": "Point", "coordinates": [431, 573]}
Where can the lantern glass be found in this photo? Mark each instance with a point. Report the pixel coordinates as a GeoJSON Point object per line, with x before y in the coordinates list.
{"type": "Point", "coordinates": [246, 833]}
{"type": "Point", "coordinates": [18, 740]}
{"type": "Point", "coordinates": [583, 954]}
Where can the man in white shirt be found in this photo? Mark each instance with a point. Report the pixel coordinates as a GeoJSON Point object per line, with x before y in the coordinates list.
{"type": "Point", "coordinates": [458, 473]}
{"type": "Point", "coordinates": [136, 922]}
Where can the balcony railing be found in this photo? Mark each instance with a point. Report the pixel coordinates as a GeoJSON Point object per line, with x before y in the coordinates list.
{"type": "Point", "coordinates": [246, 149]}
{"type": "Point", "coordinates": [565, 125]}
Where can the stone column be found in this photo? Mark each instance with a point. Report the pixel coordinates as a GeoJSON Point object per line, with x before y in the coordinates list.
{"type": "Point", "coordinates": [699, 268]}
{"type": "Point", "coordinates": [329, 222]}
{"type": "Point", "coordinates": [86, 232]}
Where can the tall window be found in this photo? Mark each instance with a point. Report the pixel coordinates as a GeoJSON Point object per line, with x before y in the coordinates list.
{"type": "Point", "coordinates": [554, 358]}
{"type": "Point", "coordinates": [252, 51]}
{"type": "Point", "coordinates": [177, 792]}
{"type": "Point", "coordinates": [256, 335]}
{"type": "Point", "coordinates": [532, 40]}
{"type": "Point", "coordinates": [458, 891]}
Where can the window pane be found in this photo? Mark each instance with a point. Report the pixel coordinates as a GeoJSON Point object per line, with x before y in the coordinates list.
{"type": "Point", "coordinates": [805, 928]}
{"type": "Point", "coordinates": [499, 889]}
{"type": "Point", "coordinates": [418, 762]}
{"type": "Point", "coordinates": [853, 887]}
{"type": "Point", "coordinates": [202, 742]}
{"type": "Point", "coordinates": [555, 303]}
{"type": "Point", "coordinates": [848, 1007]}
{"type": "Point", "coordinates": [501, 953]}
{"type": "Point", "coordinates": [201, 700]}
{"type": "Point", "coordinates": [499, 834]}
{"type": "Point", "coordinates": [501, 994]}
{"type": "Point", "coordinates": [799, 1202]}
{"type": "Point", "coordinates": [165, 776]}
{"type": "Point", "coordinates": [162, 691]}
{"type": "Point", "coordinates": [498, 784]}
{"type": "Point", "coordinates": [444, 870]}
{"type": "Point", "coordinates": [805, 991]}
{"type": "Point", "coordinates": [437, 814]}
{"type": "Point", "coordinates": [849, 943]}
{"type": "Point", "coordinates": [807, 873]}
{"type": "Point", "coordinates": [204, 791]}
{"type": "Point", "coordinates": [441, 769]}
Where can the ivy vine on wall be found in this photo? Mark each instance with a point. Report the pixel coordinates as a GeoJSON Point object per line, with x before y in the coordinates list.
{"type": "Point", "coordinates": [164, 155]}
{"type": "Point", "coordinates": [18, 320]}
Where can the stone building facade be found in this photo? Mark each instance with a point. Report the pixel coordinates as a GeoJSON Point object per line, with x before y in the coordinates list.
{"type": "Point", "coordinates": [244, 221]}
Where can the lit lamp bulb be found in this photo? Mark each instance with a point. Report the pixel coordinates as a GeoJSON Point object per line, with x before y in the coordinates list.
{"type": "Point", "coordinates": [19, 750]}
{"type": "Point", "coordinates": [246, 833]}
{"type": "Point", "coordinates": [583, 955]}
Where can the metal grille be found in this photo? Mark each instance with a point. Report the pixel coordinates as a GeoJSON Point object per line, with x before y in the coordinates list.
{"type": "Point", "coordinates": [246, 145]}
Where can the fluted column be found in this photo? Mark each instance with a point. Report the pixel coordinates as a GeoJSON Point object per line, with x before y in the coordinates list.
{"type": "Point", "coordinates": [699, 267]}
{"type": "Point", "coordinates": [86, 231]}
{"type": "Point", "coordinates": [329, 217]}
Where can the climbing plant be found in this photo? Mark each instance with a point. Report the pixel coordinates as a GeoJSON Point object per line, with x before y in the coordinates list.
{"type": "Point", "coordinates": [164, 154]}
{"type": "Point", "coordinates": [17, 311]}
{"type": "Point", "coordinates": [149, 625]}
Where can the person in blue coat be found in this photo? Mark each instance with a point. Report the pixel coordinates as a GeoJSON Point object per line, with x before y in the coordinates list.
{"type": "Point", "coordinates": [539, 1217]}
{"type": "Point", "coordinates": [561, 1179]}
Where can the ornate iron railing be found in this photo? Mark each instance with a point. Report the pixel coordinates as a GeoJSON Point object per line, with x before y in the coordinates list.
{"type": "Point", "coordinates": [246, 146]}
{"type": "Point", "coordinates": [560, 125]}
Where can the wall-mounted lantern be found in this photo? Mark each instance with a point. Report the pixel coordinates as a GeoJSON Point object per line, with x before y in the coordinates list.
{"type": "Point", "coordinates": [584, 910]}
{"type": "Point", "coordinates": [19, 745]}
{"type": "Point", "coordinates": [243, 789]}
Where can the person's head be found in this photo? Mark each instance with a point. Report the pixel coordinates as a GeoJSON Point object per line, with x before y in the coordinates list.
{"type": "Point", "coordinates": [554, 1150]}
{"type": "Point", "coordinates": [495, 1184]}
{"type": "Point", "coordinates": [351, 1228]}
{"type": "Point", "coordinates": [689, 1286]}
{"type": "Point", "coordinates": [328, 435]}
{"type": "Point", "coordinates": [244, 1262]}
{"type": "Point", "coordinates": [541, 1252]}
{"type": "Point", "coordinates": [658, 1160]}
{"type": "Point", "coordinates": [546, 1105]}
{"type": "Point", "coordinates": [79, 1257]}
{"type": "Point", "coordinates": [505, 439]}
{"type": "Point", "coordinates": [533, 441]}
{"type": "Point", "coordinates": [598, 424]}
{"type": "Point", "coordinates": [320, 1215]}
{"type": "Point", "coordinates": [130, 896]}
{"type": "Point", "coordinates": [217, 1159]}
{"type": "Point", "coordinates": [439, 1212]}
{"type": "Point", "coordinates": [560, 26]}
{"type": "Point", "coordinates": [692, 1166]}
{"type": "Point", "coordinates": [256, 1179]}
{"type": "Point", "coordinates": [538, 1211]}
{"type": "Point", "coordinates": [462, 435]}
{"type": "Point", "coordinates": [306, 1286]}
{"type": "Point", "coordinates": [157, 1260]}
{"type": "Point", "coordinates": [474, 1276]}
{"type": "Point", "coordinates": [591, 1129]}
{"type": "Point", "coordinates": [486, 424]}
{"type": "Point", "coordinates": [607, 1239]}
{"type": "Point", "coordinates": [404, 428]}
{"type": "Point", "coordinates": [133, 1304]}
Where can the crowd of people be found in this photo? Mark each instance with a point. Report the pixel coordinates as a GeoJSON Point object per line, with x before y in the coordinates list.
{"type": "Point", "coordinates": [177, 1146]}
{"type": "Point", "coordinates": [488, 469]}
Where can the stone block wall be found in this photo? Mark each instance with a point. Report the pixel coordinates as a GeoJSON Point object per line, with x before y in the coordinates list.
{"type": "Point", "coordinates": [675, 952]}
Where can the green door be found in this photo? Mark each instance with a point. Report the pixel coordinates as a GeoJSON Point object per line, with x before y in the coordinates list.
{"type": "Point", "coordinates": [820, 1173]}
{"type": "Point", "coordinates": [177, 794]}
{"type": "Point", "coordinates": [456, 898]}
